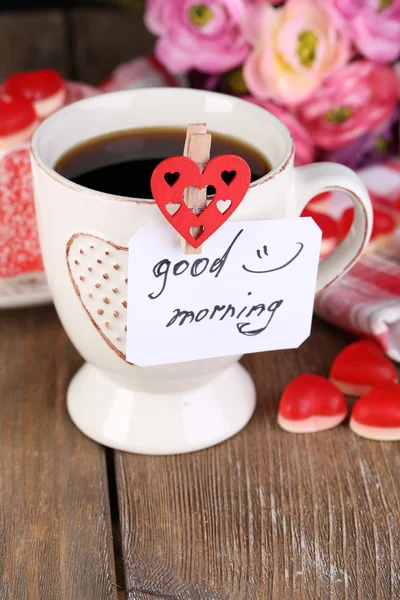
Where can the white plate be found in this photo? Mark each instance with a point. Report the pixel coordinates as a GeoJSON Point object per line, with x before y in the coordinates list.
{"type": "Point", "coordinates": [25, 290]}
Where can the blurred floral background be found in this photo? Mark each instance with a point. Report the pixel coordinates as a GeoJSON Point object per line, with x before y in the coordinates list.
{"type": "Point", "coordinates": [326, 68]}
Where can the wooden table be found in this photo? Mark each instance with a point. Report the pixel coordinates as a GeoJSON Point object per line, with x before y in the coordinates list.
{"type": "Point", "coordinates": [266, 515]}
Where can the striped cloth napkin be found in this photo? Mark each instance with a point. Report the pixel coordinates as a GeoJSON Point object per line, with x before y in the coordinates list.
{"type": "Point", "coordinates": [366, 301]}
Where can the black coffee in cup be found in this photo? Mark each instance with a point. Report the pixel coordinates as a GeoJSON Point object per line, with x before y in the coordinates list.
{"type": "Point", "coordinates": [122, 163]}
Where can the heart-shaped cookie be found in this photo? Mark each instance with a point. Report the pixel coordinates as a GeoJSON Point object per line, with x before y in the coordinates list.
{"type": "Point", "coordinates": [383, 228]}
{"type": "Point", "coordinates": [44, 88]}
{"type": "Point", "coordinates": [377, 415]}
{"type": "Point", "coordinates": [359, 367]}
{"type": "Point", "coordinates": [228, 174]}
{"type": "Point", "coordinates": [18, 121]}
{"type": "Point", "coordinates": [311, 403]}
{"type": "Point", "coordinates": [99, 273]}
{"type": "Point", "coordinates": [329, 228]}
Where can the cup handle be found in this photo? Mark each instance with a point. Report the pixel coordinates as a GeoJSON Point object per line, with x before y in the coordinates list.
{"type": "Point", "coordinates": [314, 179]}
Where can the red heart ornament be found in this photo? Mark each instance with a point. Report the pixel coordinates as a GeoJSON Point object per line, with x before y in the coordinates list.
{"type": "Point", "coordinates": [184, 173]}
{"type": "Point", "coordinates": [311, 403]}
{"type": "Point", "coordinates": [377, 415]}
{"type": "Point", "coordinates": [359, 367]}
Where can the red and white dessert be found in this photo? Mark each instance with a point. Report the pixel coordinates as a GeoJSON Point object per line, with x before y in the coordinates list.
{"type": "Point", "coordinates": [329, 228]}
{"type": "Point", "coordinates": [44, 88]}
{"type": "Point", "coordinates": [311, 403]}
{"type": "Point", "coordinates": [361, 366]}
{"type": "Point", "coordinates": [19, 243]}
{"type": "Point", "coordinates": [376, 416]}
{"type": "Point", "coordinates": [321, 202]}
{"type": "Point", "coordinates": [383, 228]}
{"type": "Point", "coordinates": [18, 121]}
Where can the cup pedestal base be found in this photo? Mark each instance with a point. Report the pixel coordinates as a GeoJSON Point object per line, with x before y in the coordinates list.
{"type": "Point", "coordinates": [155, 423]}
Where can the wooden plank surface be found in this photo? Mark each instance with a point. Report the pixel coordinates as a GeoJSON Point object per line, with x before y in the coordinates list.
{"type": "Point", "coordinates": [32, 40]}
{"type": "Point", "coordinates": [55, 530]}
{"type": "Point", "coordinates": [104, 38]}
{"type": "Point", "coordinates": [268, 514]}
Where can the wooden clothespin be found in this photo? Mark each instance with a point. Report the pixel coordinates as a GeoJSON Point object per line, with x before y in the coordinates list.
{"type": "Point", "coordinates": [197, 147]}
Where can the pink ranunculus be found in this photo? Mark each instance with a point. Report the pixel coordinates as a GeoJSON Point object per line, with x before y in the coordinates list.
{"type": "Point", "coordinates": [373, 26]}
{"type": "Point", "coordinates": [352, 102]}
{"type": "Point", "coordinates": [304, 146]}
{"type": "Point", "coordinates": [198, 34]}
{"type": "Point", "coordinates": [296, 46]}
{"type": "Point", "coordinates": [397, 71]}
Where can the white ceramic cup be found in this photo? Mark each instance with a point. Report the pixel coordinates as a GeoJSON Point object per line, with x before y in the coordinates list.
{"type": "Point", "coordinates": [188, 406]}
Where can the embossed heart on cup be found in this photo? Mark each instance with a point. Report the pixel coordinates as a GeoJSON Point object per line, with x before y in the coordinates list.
{"type": "Point", "coordinates": [311, 403]}
{"type": "Point", "coordinates": [377, 415]}
{"type": "Point", "coordinates": [228, 174]}
{"type": "Point", "coordinates": [359, 367]}
{"type": "Point", "coordinates": [99, 273]}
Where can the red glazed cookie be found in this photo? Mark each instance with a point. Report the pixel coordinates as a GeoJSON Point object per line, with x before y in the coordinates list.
{"type": "Point", "coordinates": [382, 231]}
{"type": "Point", "coordinates": [320, 202]}
{"type": "Point", "coordinates": [18, 121]}
{"type": "Point", "coordinates": [359, 367]}
{"type": "Point", "coordinates": [311, 403]}
{"type": "Point", "coordinates": [377, 415]}
{"type": "Point", "coordinates": [329, 228]}
{"type": "Point", "coordinates": [44, 88]}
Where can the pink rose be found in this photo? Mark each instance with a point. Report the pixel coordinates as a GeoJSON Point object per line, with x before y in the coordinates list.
{"type": "Point", "coordinates": [203, 34]}
{"type": "Point", "coordinates": [352, 102]}
{"type": "Point", "coordinates": [296, 46]}
{"type": "Point", "coordinates": [373, 26]}
{"type": "Point", "coordinates": [304, 146]}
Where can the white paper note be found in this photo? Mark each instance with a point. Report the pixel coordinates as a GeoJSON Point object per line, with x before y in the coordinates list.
{"type": "Point", "coordinates": [251, 289]}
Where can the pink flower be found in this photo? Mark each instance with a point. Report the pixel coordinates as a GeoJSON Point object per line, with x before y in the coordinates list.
{"type": "Point", "coordinates": [296, 46]}
{"type": "Point", "coordinates": [352, 102]}
{"type": "Point", "coordinates": [198, 34]}
{"type": "Point", "coordinates": [304, 146]}
{"type": "Point", "coordinates": [397, 71]}
{"type": "Point", "coordinates": [373, 26]}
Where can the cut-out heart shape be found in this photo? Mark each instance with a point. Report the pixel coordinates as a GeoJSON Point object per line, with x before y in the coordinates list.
{"type": "Point", "coordinates": [377, 415]}
{"type": "Point", "coordinates": [18, 121]}
{"type": "Point", "coordinates": [171, 178]}
{"type": "Point", "coordinates": [311, 403]}
{"type": "Point", "coordinates": [359, 367]}
{"type": "Point", "coordinates": [172, 208]}
{"type": "Point", "coordinates": [223, 205]}
{"type": "Point", "coordinates": [44, 88]}
{"type": "Point", "coordinates": [210, 219]}
{"type": "Point", "coordinates": [228, 176]}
